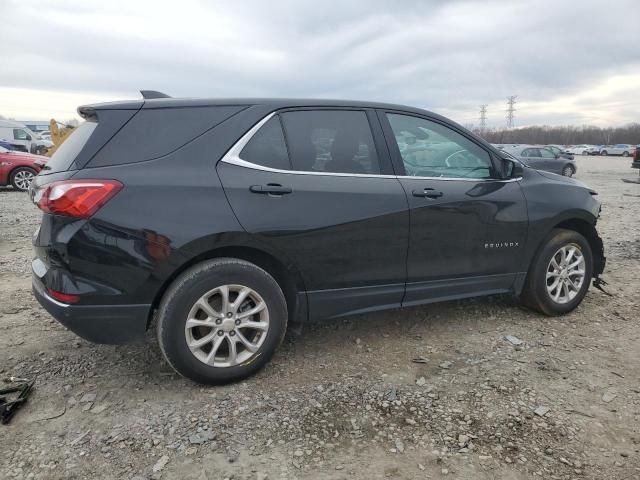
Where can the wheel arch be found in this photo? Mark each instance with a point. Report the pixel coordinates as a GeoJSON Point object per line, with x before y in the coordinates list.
{"type": "Point", "coordinates": [579, 221]}
{"type": "Point", "coordinates": [287, 277]}
{"type": "Point", "coordinates": [588, 231]}
{"type": "Point", "coordinates": [26, 167]}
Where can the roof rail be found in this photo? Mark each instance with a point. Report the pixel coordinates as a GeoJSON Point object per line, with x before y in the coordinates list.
{"type": "Point", "coordinates": [149, 94]}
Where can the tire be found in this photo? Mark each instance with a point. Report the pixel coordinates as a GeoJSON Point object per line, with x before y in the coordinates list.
{"type": "Point", "coordinates": [179, 303]}
{"type": "Point", "coordinates": [625, 154]}
{"type": "Point", "coordinates": [536, 294]}
{"type": "Point", "coordinates": [21, 178]}
{"type": "Point", "coordinates": [604, 152]}
{"type": "Point", "coordinates": [568, 171]}
{"type": "Point", "coordinates": [585, 153]}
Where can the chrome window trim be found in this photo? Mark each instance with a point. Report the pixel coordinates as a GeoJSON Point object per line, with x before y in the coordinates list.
{"type": "Point", "coordinates": [233, 157]}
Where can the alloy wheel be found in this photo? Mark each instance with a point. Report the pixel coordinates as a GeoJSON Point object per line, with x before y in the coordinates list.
{"type": "Point", "coordinates": [22, 179]}
{"type": "Point", "coordinates": [227, 326]}
{"type": "Point", "coordinates": [565, 273]}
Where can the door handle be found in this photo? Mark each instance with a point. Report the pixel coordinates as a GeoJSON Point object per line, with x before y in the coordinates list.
{"type": "Point", "coordinates": [427, 192]}
{"type": "Point", "coordinates": [270, 189]}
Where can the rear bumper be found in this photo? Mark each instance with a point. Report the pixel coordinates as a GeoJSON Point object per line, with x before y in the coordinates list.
{"type": "Point", "coordinates": [112, 324]}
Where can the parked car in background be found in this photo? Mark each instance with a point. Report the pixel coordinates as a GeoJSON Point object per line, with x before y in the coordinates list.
{"type": "Point", "coordinates": [21, 137]}
{"type": "Point", "coordinates": [542, 158]}
{"type": "Point", "coordinates": [583, 150]}
{"type": "Point", "coordinates": [294, 211]}
{"type": "Point", "coordinates": [19, 168]}
{"type": "Point", "coordinates": [557, 150]}
{"type": "Point", "coordinates": [619, 149]}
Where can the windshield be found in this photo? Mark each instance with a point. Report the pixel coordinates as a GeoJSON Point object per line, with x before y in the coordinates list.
{"type": "Point", "coordinates": [3, 150]}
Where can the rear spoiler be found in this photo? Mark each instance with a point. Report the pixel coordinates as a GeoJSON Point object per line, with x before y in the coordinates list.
{"type": "Point", "coordinates": [151, 94]}
{"type": "Point", "coordinates": [88, 112]}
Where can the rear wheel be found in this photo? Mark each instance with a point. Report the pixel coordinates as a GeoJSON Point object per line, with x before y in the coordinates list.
{"type": "Point", "coordinates": [585, 153]}
{"type": "Point", "coordinates": [21, 178]}
{"type": "Point", "coordinates": [625, 154]}
{"type": "Point", "coordinates": [568, 171]}
{"type": "Point", "coordinates": [221, 321]}
{"type": "Point", "coordinates": [604, 152]}
{"type": "Point", "coordinates": [560, 273]}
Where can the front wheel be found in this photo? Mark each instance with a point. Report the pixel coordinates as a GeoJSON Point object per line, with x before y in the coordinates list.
{"type": "Point", "coordinates": [221, 321]}
{"type": "Point", "coordinates": [21, 178]}
{"type": "Point", "coordinates": [560, 273]}
{"type": "Point", "coordinates": [585, 153]}
{"type": "Point", "coordinates": [604, 152]}
{"type": "Point", "coordinates": [567, 171]}
{"type": "Point", "coordinates": [625, 154]}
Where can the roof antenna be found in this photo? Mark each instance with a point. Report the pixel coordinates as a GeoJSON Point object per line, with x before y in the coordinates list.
{"type": "Point", "coordinates": [150, 94]}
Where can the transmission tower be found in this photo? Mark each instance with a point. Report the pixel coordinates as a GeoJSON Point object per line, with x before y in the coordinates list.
{"type": "Point", "coordinates": [511, 102]}
{"type": "Point", "coordinates": [483, 118]}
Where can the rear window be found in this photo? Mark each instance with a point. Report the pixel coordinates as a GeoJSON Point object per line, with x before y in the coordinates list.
{"type": "Point", "coordinates": [70, 148]}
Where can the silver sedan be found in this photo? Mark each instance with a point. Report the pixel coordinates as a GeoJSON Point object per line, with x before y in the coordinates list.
{"type": "Point", "coordinates": [542, 158]}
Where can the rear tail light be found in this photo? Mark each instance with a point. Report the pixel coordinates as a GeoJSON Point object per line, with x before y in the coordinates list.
{"type": "Point", "coordinates": [75, 198]}
{"type": "Point", "coordinates": [64, 297]}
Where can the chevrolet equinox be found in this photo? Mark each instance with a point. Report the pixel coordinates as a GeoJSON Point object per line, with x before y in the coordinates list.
{"type": "Point", "coordinates": [226, 220]}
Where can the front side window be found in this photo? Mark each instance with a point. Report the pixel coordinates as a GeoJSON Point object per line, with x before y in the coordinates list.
{"type": "Point", "coordinates": [19, 134]}
{"type": "Point", "coordinates": [336, 141]}
{"type": "Point", "coordinates": [531, 152]}
{"type": "Point", "coordinates": [429, 149]}
{"type": "Point", "coordinates": [267, 147]}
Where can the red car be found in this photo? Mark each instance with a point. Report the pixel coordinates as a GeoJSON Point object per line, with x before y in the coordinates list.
{"type": "Point", "coordinates": [19, 168]}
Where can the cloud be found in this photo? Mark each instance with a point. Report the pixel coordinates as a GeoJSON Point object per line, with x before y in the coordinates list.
{"type": "Point", "coordinates": [447, 56]}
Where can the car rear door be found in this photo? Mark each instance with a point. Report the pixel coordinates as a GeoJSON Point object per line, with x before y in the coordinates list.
{"type": "Point", "coordinates": [467, 226]}
{"type": "Point", "coordinates": [326, 199]}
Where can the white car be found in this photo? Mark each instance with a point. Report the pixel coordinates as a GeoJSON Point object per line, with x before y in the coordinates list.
{"type": "Point", "coordinates": [618, 149]}
{"type": "Point", "coordinates": [582, 150]}
{"type": "Point", "coordinates": [21, 137]}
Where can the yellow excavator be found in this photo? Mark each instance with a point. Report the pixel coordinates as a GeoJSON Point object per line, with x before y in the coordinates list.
{"type": "Point", "coordinates": [59, 133]}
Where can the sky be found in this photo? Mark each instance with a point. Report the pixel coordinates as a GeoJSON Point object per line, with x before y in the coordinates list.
{"type": "Point", "coordinates": [568, 61]}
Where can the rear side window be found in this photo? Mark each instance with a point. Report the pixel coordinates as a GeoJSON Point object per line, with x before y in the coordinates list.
{"type": "Point", "coordinates": [338, 141]}
{"type": "Point", "coordinates": [68, 151]}
{"type": "Point", "coordinates": [267, 147]}
{"type": "Point", "coordinates": [155, 132]}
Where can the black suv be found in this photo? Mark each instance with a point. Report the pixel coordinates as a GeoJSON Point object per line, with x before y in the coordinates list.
{"type": "Point", "coordinates": [227, 220]}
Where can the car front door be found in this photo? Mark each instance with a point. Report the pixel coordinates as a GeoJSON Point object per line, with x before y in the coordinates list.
{"type": "Point", "coordinates": [551, 162]}
{"type": "Point", "coordinates": [326, 199]}
{"type": "Point", "coordinates": [467, 225]}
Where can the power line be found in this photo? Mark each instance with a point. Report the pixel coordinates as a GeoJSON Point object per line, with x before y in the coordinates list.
{"type": "Point", "coordinates": [483, 118]}
{"type": "Point", "coordinates": [511, 102]}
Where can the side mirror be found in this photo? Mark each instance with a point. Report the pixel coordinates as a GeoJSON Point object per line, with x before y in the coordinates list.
{"type": "Point", "coordinates": [511, 168]}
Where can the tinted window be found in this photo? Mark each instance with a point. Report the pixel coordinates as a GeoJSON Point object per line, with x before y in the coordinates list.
{"type": "Point", "coordinates": [531, 152]}
{"type": "Point", "coordinates": [155, 132]}
{"type": "Point", "coordinates": [429, 149]}
{"type": "Point", "coordinates": [267, 147]}
{"type": "Point", "coordinates": [66, 154]}
{"type": "Point", "coordinates": [338, 141]}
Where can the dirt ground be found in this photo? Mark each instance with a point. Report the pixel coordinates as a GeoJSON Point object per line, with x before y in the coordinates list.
{"type": "Point", "coordinates": [430, 392]}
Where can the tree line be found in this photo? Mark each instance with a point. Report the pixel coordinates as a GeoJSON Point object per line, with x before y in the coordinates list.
{"type": "Point", "coordinates": [564, 135]}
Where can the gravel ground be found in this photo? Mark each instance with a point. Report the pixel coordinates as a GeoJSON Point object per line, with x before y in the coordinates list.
{"type": "Point", "coordinates": [429, 392]}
